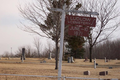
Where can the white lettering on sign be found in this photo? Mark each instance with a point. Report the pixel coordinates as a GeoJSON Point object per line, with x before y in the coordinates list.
{"type": "Point", "coordinates": [79, 19]}
{"type": "Point", "coordinates": [77, 28]}
{"type": "Point", "coordinates": [84, 23]}
{"type": "Point", "coordinates": [84, 29]}
{"type": "Point", "coordinates": [78, 33]}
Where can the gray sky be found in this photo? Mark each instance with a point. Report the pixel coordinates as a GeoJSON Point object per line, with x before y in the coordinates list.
{"type": "Point", "coordinates": [10, 35]}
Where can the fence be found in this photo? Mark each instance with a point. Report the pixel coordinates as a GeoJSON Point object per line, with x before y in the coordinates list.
{"type": "Point", "coordinates": [39, 77]}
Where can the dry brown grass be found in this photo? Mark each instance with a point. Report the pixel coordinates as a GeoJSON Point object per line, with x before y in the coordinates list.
{"type": "Point", "coordinates": [32, 66]}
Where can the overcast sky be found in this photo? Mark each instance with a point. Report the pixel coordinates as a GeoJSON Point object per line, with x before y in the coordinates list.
{"type": "Point", "coordinates": [10, 35]}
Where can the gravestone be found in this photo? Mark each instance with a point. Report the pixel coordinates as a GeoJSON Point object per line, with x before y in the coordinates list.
{"type": "Point", "coordinates": [49, 57]}
{"type": "Point", "coordinates": [72, 61]}
{"type": "Point", "coordinates": [69, 59]}
{"type": "Point", "coordinates": [116, 59]}
{"type": "Point", "coordinates": [86, 59]}
{"type": "Point", "coordinates": [110, 67]}
{"type": "Point", "coordinates": [86, 73]}
{"type": "Point", "coordinates": [105, 59]}
{"type": "Point", "coordinates": [115, 79]}
{"type": "Point", "coordinates": [103, 73]}
{"type": "Point", "coordinates": [23, 55]}
{"type": "Point", "coordinates": [44, 61]}
{"type": "Point", "coordinates": [106, 72]}
{"type": "Point", "coordinates": [94, 63]}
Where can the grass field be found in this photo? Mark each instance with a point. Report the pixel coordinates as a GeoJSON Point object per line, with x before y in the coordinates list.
{"type": "Point", "coordinates": [32, 66]}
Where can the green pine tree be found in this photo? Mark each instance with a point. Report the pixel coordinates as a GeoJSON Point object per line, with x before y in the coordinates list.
{"type": "Point", "coordinates": [75, 46]}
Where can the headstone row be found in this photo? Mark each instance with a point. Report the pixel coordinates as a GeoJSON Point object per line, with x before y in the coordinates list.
{"type": "Point", "coordinates": [70, 60]}
{"type": "Point", "coordinates": [102, 73]}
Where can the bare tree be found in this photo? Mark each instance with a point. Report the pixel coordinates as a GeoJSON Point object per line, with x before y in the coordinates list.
{"type": "Point", "coordinates": [6, 54]}
{"type": "Point", "coordinates": [107, 21]}
{"type": "Point", "coordinates": [18, 53]}
{"type": "Point", "coordinates": [45, 22]}
{"type": "Point", "coordinates": [43, 26]}
{"type": "Point", "coordinates": [38, 45]}
{"type": "Point", "coordinates": [50, 47]}
{"type": "Point", "coordinates": [29, 52]}
{"type": "Point", "coordinates": [109, 49]}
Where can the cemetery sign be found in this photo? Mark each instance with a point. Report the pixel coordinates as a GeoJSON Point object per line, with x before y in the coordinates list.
{"type": "Point", "coordinates": [80, 20]}
{"type": "Point", "coordinates": [90, 22]}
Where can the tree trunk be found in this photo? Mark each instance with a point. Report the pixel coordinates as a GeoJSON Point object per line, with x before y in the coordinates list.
{"type": "Point", "coordinates": [90, 50]}
{"type": "Point", "coordinates": [38, 53]}
{"type": "Point", "coordinates": [56, 56]}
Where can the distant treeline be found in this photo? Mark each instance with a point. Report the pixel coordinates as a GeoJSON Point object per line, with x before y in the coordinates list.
{"type": "Point", "coordinates": [108, 49]}
{"type": "Point", "coordinates": [29, 53]}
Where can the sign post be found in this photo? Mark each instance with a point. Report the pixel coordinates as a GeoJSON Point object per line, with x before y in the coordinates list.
{"type": "Point", "coordinates": [62, 32]}
{"type": "Point", "coordinates": [61, 42]}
